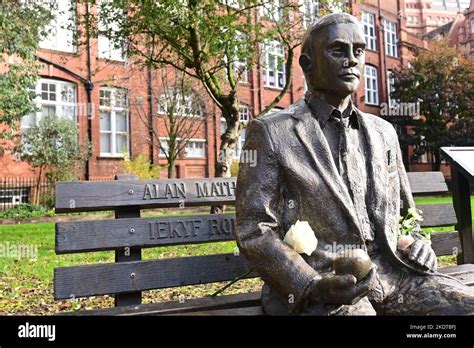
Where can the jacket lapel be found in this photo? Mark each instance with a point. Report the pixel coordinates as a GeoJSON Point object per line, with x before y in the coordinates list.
{"type": "Point", "coordinates": [312, 137]}
{"type": "Point", "coordinates": [377, 171]}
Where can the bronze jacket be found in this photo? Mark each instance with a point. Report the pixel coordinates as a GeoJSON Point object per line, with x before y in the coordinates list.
{"type": "Point", "coordinates": [295, 178]}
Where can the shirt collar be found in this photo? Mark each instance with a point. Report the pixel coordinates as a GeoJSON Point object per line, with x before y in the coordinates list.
{"type": "Point", "coordinates": [323, 111]}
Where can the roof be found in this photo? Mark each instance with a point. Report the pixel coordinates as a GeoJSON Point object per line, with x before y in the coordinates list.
{"type": "Point", "coordinates": [442, 30]}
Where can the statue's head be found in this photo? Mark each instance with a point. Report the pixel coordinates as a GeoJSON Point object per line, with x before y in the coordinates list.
{"type": "Point", "coordinates": [333, 54]}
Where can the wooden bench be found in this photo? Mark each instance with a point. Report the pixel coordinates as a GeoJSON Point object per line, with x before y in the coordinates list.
{"type": "Point", "coordinates": [128, 234]}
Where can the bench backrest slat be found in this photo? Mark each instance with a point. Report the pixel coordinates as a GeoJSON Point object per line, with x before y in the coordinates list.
{"type": "Point", "coordinates": [102, 279]}
{"type": "Point", "coordinates": [84, 196]}
{"type": "Point", "coordinates": [437, 215]}
{"type": "Point", "coordinates": [73, 237]}
{"type": "Point", "coordinates": [427, 183]}
{"type": "Point", "coordinates": [446, 243]}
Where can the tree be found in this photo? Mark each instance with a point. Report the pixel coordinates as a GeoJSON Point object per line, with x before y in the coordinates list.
{"type": "Point", "coordinates": [181, 113]}
{"type": "Point", "coordinates": [212, 41]}
{"type": "Point", "coordinates": [442, 81]}
{"type": "Point", "coordinates": [22, 26]}
{"type": "Point", "coordinates": [53, 147]}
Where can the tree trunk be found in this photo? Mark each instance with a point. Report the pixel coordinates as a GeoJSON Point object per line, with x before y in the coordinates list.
{"type": "Point", "coordinates": [437, 160]}
{"type": "Point", "coordinates": [226, 153]}
{"type": "Point", "coordinates": [171, 169]}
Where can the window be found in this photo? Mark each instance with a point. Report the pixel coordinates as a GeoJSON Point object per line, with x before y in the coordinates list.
{"type": "Point", "coordinates": [13, 196]}
{"type": "Point", "coordinates": [109, 46]}
{"type": "Point", "coordinates": [195, 148]}
{"type": "Point", "coordinates": [368, 20]}
{"type": "Point", "coordinates": [390, 88]}
{"type": "Point", "coordinates": [114, 132]}
{"type": "Point", "coordinates": [53, 98]}
{"type": "Point", "coordinates": [244, 114]}
{"type": "Point", "coordinates": [187, 105]}
{"type": "Point", "coordinates": [274, 74]}
{"type": "Point", "coordinates": [60, 31]}
{"type": "Point", "coordinates": [309, 11]}
{"type": "Point", "coordinates": [271, 9]}
{"type": "Point", "coordinates": [240, 144]}
{"type": "Point", "coordinates": [164, 148]}
{"type": "Point", "coordinates": [391, 39]}
{"type": "Point", "coordinates": [371, 86]}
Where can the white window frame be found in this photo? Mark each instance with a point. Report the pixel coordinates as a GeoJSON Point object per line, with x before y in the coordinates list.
{"type": "Point", "coordinates": [180, 110]}
{"type": "Point", "coordinates": [17, 196]}
{"type": "Point", "coordinates": [273, 56]}
{"type": "Point", "coordinates": [368, 21]}
{"type": "Point", "coordinates": [59, 104]}
{"type": "Point", "coordinates": [164, 144]}
{"type": "Point", "coordinates": [61, 29]}
{"type": "Point", "coordinates": [113, 109]}
{"type": "Point", "coordinates": [371, 85]}
{"type": "Point", "coordinates": [391, 38]}
{"type": "Point", "coordinates": [106, 47]}
{"type": "Point", "coordinates": [390, 87]}
{"type": "Point", "coordinates": [244, 113]}
{"type": "Point", "coordinates": [191, 147]}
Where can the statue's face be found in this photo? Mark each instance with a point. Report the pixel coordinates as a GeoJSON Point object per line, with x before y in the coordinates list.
{"type": "Point", "coordinates": [339, 59]}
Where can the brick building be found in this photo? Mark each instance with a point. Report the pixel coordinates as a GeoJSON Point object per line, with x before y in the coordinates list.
{"type": "Point", "coordinates": [459, 32]}
{"type": "Point", "coordinates": [424, 16]}
{"type": "Point", "coordinates": [74, 77]}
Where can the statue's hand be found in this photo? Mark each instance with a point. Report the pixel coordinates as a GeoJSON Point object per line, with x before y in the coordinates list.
{"type": "Point", "coordinates": [342, 289]}
{"type": "Point", "coordinates": [422, 254]}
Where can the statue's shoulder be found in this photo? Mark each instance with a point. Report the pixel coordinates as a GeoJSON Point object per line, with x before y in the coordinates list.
{"type": "Point", "coordinates": [378, 122]}
{"type": "Point", "coordinates": [284, 117]}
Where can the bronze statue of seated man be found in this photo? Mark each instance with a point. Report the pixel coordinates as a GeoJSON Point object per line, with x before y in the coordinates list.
{"type": "Point", "coordinates": [325, 162]}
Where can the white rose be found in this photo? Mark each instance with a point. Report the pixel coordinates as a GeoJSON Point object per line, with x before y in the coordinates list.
{"type": "Point", "coordinates": [301, 238]}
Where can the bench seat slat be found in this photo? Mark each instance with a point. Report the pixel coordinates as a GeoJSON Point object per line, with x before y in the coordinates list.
{"type": "Point", "coordinates": [82, 196]}
{"type": "Point", "coordinates": [427, 183]}
{"type": "Point", "coordinates": [111, 278]}
{"type": "Point", "coordinates": [438, 215]}
{"type": "Point", "coordinates": [253, 311]}
{"type": "Point", "coordinates": [173, 307]}
{"type": "Point", "coordinates": [464, 273]}
{"type": "Point", "coordinates": [446, 243]}
{"type": "Point", "coordinates": [73, 237]}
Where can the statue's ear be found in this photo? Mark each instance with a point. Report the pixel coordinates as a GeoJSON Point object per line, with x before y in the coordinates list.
{"type": "Point", "coordinates": [305, 62]}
